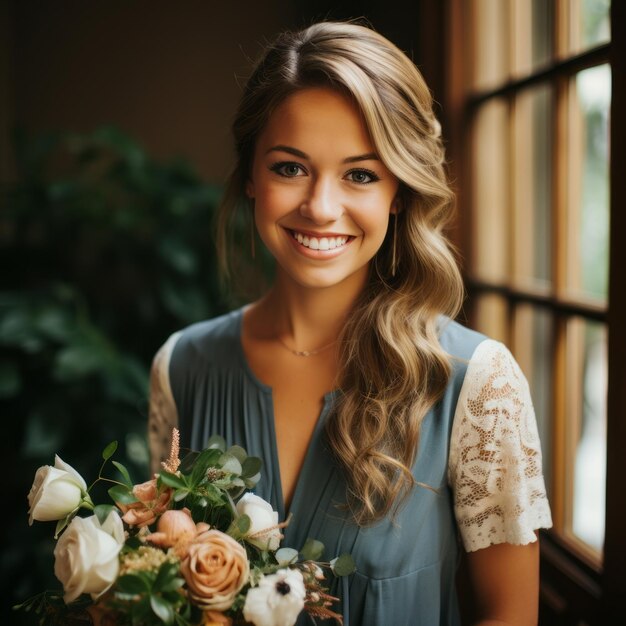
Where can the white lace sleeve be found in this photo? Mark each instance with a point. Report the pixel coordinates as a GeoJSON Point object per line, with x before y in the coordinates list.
{"type": "Point", "coordinates": [495, 458]}
{"type": "Point", "coordinates": [163, 415]}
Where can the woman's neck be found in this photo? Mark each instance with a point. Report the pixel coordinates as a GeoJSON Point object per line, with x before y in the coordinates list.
{"type": "Point", "coordinates": [309, 318]}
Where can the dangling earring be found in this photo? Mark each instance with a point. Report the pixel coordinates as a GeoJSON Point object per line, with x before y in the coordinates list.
{"type": "Point", "coordinates": [394, 261]}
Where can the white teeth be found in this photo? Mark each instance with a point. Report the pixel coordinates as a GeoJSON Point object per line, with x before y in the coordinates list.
{"type": "Point", "coordinates": [323, 243]}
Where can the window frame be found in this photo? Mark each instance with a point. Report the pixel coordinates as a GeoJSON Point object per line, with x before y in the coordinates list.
{"type": "Point", "coordinates": [573, 586]}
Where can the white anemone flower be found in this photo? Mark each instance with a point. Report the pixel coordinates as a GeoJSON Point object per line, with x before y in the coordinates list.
{"type": "Point", "coordinates": [277, 600]}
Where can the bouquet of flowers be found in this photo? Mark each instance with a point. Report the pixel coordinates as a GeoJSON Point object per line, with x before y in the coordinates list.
{"type": "Point", "coordinates": [191, 547]}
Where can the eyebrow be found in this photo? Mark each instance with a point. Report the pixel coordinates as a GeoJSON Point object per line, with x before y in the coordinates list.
{"type": "Point", "coordinates": [371, 156]}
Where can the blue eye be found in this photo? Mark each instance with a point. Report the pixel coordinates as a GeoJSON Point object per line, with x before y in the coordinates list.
{"type": "Point", "coordinates": [362, 177]}
{"type": "Point", "coordinates": [287, 169]}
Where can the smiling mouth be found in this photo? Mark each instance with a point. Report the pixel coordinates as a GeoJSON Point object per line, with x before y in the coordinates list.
{"type": "Point", "coordinates": [320, 243]}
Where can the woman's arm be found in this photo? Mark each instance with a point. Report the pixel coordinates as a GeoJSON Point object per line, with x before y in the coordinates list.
{"type": "Point", "coordinates": [163, 415]}
{"type": "Point", "coordinates": [504, 581]}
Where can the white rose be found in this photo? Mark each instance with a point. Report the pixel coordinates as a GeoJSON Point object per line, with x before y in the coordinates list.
{"type": "Point", "coordinates": [86, 556]}
{"type": "Point", "coordinates": [56, 492]}
{"type": "Point", "coordinates": [263, 533]}
{"type": "Point", "coordinates": [278, 599]}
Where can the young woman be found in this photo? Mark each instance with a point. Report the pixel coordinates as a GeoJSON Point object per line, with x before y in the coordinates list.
{"type": "Point", "coordinates": [387, 430]}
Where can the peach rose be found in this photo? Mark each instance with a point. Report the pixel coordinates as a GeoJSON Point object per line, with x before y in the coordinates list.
{"type": "Point", "coordinates": [216, 568]}
{"type": "Point", "coordinates": [215, 618]}
{"type": "Point", "coordinates": [152, 502]}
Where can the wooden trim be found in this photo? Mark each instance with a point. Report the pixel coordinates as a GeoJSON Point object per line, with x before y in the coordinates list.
{"type": "Point", "coordinates": [584, 60]}
{"type": "Point", "coordinates": [614, 580]}
{"type": "Point", "coordinates": [560, 306]}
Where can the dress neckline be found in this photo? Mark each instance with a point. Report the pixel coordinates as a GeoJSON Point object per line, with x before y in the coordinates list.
{"type": "Point", "coordinates": [283, 509]}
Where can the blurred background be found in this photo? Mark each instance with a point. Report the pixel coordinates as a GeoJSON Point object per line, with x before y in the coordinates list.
{"type": "Point", "coordinates": [114, 147]}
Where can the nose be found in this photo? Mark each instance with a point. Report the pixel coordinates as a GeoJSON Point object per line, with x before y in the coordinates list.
{"type": "Point", "coordinates": [322, 203]}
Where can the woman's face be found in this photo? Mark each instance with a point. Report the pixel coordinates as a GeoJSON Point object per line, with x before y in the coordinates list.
{"type": "Point", "coordinates": [322, 197]}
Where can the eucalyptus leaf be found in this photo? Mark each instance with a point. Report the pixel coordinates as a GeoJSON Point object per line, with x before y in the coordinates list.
{"type": "Point", "coordinates": [238, 452]}
{"type": "Point", "coordinates": [243, 524]}
{"type": "Point", "coordinates": [343, 565]}
{"type": "Point", "coordinates": [230, 463]}
{"type": "Point", "coordinates": [286, 556]}
{"type": "Point", "coordinates": [312, 550]}
{"type": "Point", "coordinates": [251, 466]}
{"type": "Point", "coordinates": [216, 441]}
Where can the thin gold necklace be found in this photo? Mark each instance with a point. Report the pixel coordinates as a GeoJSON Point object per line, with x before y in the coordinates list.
{"type": "Point", "coordinates": [305, 352]}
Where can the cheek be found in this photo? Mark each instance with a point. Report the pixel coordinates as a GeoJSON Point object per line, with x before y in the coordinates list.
{"type": "Point", "coordinates": [273, 202]}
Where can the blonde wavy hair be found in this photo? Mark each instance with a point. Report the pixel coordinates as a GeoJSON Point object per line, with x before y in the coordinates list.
{"type": "Point", "coordinates": [392, 367]}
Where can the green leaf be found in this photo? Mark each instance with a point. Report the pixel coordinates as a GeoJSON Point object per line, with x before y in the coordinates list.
{"type": "Point", "coordinates": [172, 480]}
{"type": "Point", "coordinates": [229, 463]}
{"type": "Point", "coordinates": [166, 572]}
{"type": "Point", "coordinates": [206, 459]}
{"type": "Point", "coordinates": [238, 452]}
{"type": "Point", "coordinates": [180, 494]}
{"type": "Point", "coordinates": [286, 556]}
{"type": "Point", "coordinates": [122, 494]}
{"type": "Point", "coordinates": [173, 584]}
{"type": "Point", "coordinates": [133, 584]}
{"type": "Point", "coordinates": [216, 441]}
{"type": "Point", "coordinates": [124, 472]}
{"type": "Point", "coordinates": [251, 482]}
{"type": "Point", "coordinates": [251, 466]}
{"type": "Point", "coordinates": [343, 565]}
{"type": "Point", "coordinates": [243, 524]}
{"type": "Point", "coordinates": [312, 550]}
{"type": "Point", "coordinates": [61, 524]}
{"type": "Point", "coordinates": [102, 511]}
{"type": "Point", "coordinates": [109, 451]}
{"type": "Point", "coordinates": [162, 609]}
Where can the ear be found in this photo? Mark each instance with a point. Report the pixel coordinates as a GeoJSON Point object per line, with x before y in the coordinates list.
{"type": "Point", "coordinates": [396, 206]}
{"type": "Point", "coordinates": [249, 188]}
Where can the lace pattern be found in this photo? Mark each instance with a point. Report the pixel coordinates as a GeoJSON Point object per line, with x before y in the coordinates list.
{"type": "Point", "coordinates": [163, 415]}
{"type": "Point", "coordinates": [495, 455]}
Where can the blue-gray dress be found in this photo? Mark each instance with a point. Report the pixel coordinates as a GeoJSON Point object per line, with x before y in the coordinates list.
{"type": "Point", "coordinates": [406, 568]}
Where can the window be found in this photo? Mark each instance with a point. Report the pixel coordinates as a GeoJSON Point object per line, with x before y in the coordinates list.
{"type": "Point", "coordinates": [528, 96]}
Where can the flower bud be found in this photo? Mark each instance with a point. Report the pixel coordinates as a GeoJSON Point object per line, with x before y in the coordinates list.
{"type": "Point", "coordinates": [56, 492]}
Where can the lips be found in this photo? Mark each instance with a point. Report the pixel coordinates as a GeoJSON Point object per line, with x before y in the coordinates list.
{"type": "Point", "coordinates": [311, 242]}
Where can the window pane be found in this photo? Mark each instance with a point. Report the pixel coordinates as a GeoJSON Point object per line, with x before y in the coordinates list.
{"type": "Point", "coordinates": [590, 23]}
{"type": "Point", "coordinates": [491, 37]}
{"type": "Point", "coordinates": [533, 189]}
{"type": "Point", "coordinates": [490, 254]}
{"type": "Point", "coordinates": [532, 346]}
{"type": "Point", "coordinates": [588, 206]}
{"type": "Point", "coordinates": [587, 359]}
{"type": "Point", "coordinates": [542, 32]}
{"type": "Point", "coordinates": [531, 29]}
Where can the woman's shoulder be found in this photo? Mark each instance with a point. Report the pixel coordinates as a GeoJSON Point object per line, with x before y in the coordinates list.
{"type": "Point", "coordinates": [218, 337]}
{"type": "Point", "coordinates": [457, 340]}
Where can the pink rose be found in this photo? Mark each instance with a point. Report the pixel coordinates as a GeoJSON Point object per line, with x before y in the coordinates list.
{"type": "Point", "coordinates": [152, 502]}
{"type": "Point", "coordinates": [216, 568]}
